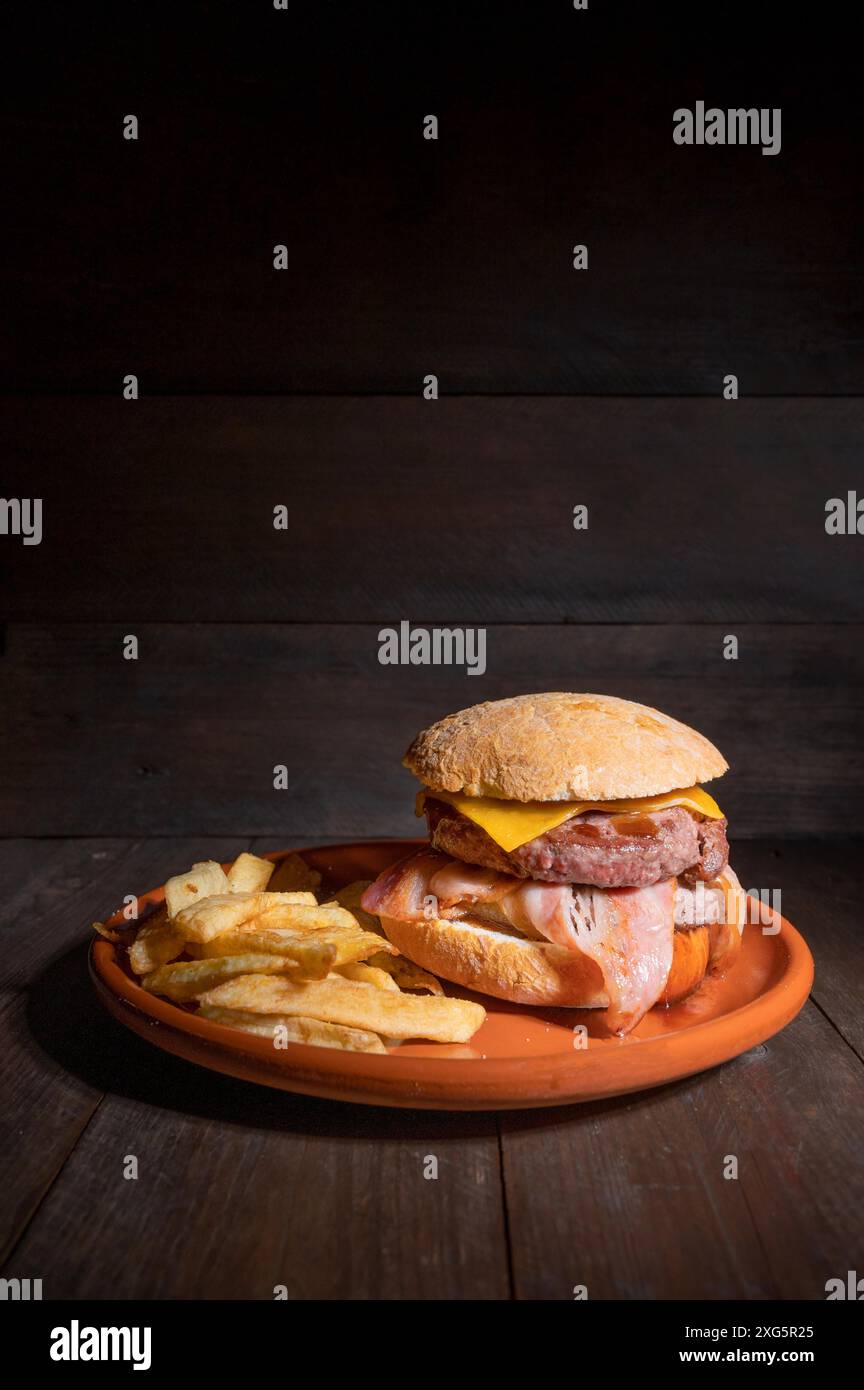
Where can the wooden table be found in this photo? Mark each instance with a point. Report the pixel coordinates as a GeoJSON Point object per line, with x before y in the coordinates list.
{"type": "Point", "coordinates": [152, 260]}
{"type": "Point", "coordinates": [240, 1189]}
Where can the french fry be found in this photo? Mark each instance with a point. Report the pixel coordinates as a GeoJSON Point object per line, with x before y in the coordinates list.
{"type": "Point", "coordinates": [370, 974]}
{"type": "Point", "coordinates": [314, 955]}
{"type": "Point", "coordinates": [354, 1004]}
{"type": "Point", "coordinates": [187, 979]}
{"type": "Point", "coordinates": [201, 881]}
{"type": "Point", "coordinates": [357, 946]}
{"type": "Point", "coordinates": [154, 944]}
{"type": "Point", "coordinates": [269, 959]}
{"type": "Point", "coordinates": [298, 897]}
{"type": "Point", "coordinates": [249, 874]}
{"type": "Point", "coordinates": [293, 873]}
{"type": "Point", "coordinates": [350, 896]}
{"type": "Point", "coordinates": [224, 911]}
{"type": "Point", "coordinates": [115, 934]}
{"type": "Point", "coordinates": [296, 1029]}
{"type": "Point", "coordinates": [299, 917]}
{"type": "Point", "coordinates": [330, 947]}
{"type": "Point", "coordinates": [215, 915]}
{"type": "Point", "coordinates": [405, 973]}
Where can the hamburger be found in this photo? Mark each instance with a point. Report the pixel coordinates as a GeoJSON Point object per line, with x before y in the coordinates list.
{"type": "Point", "coordinates": [574, 857]}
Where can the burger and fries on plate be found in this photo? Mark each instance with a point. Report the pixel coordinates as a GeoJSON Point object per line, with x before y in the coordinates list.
{"type": "Point", "coordinates": [565, 832]}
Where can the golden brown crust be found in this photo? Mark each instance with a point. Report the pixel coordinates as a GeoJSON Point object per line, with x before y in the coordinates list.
{"type": "Point", "coordinates": [559, 746]}
{"type": "Point", "coordinates": [532, 972]}
{"type": "Point", "coordinates": [493, 962]}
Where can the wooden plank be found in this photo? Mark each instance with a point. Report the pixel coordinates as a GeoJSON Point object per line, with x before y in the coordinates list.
{"type": "Point", "coordinates": [628, 1196]}
{"type": "Point", "coordinates": [59, 1051]}
{"type": "Point", "coordinates": [44, 1109]}
{"type": "Point", "coordinates": [409, 256]}
{"type": "Point", "coordinates": [639, 1200]}
{"type": "Point", "coordinates": [241, 1189]}
{"type": "Point", "coordinates": [821, 895]}
{"type": "Point", "coordinates": [187, 737]}
{"type": "Point", "coordinates": [642, 1209]}
{"type": "Point", "coordinates": [53, 891]}
{"type": "Point", "coordinates": [369, 1224]}
{"type": "Point", "coordinates": [459, 510]}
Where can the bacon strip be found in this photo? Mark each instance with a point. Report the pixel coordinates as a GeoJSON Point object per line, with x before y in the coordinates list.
{"type": "Point", "coordinates": [627, 931]}
{"type": "Point", "coordinates": [632, 940]}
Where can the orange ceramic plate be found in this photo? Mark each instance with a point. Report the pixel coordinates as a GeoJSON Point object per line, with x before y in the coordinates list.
{"type": "Point", "coordinates": [520, 1057]}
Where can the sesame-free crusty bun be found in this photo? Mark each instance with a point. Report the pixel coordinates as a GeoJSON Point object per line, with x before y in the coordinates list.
{"type": "Point", "coordinates": [524, 971]}
{"type": "Point", "coordinates": [562, 747]}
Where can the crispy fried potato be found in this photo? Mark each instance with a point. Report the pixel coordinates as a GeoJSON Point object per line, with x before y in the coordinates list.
{"type": "Point", "coordinates": [187, 979]}
{"type": "Point", "coordinates": [356, 946]}
{"type": "Point", "coordinates": [350, 896]}
{"type": "Point", "coordinates": [203, 920]}
{"type": "Point", "coordinates": [300, 897]}
{"type": "Point", "coordinates": [295, 1029]}
{"type": "Point", "coordinates": [201, 881]}
{"type": "Point", "coordinates": [405, 973]}
{"type": "Point", "coordinates": [293, 873]}
{"type": "Point", "coordinates": [314, 954]}
{"type": "Point", "coordinates": [354, 1004]}
{"type": "Point", "coordinates": [370, 974]}
{"type": "Point", "coordinates": [154, 944]}
{"type": "Point", "coordinates": [334, 947]}
{"type": "Point", "coordinates": [269, 959]}
{"type": "Point", "coordinates": [249, 874]}
{"type": "Point", "coordinates": [215, 915]}
{"type": "Point", "coordinates": [299, 917]}
{"type": "Point", "coordinates": [115, 934]}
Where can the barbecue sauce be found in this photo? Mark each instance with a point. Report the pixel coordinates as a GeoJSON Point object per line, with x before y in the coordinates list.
{"type": "Point", "coordinates": [585, 831]}
{"type": "Point", "coordinates": [637, 825]}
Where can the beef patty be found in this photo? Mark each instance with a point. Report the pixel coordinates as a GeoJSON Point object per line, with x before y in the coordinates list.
{"type": "Point", "coordinates": [600, 848]}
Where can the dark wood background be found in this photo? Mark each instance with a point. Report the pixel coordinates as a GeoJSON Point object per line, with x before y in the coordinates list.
{"type": "Point", "coordinates": [409, 256]}
{"type": "Point", "coordinates": [259, 647]}
{"type": "Point", "coordinates": [406, 257]}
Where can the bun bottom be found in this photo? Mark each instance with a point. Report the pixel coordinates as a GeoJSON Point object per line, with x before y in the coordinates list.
{"type": "Point", "coordinates": [532, 972]}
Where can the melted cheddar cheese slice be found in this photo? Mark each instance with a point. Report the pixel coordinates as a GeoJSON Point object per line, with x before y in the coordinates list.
{"type": "Point", "coordinates": [513, 823]}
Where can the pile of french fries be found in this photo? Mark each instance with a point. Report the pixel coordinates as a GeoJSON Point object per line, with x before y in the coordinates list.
{"type": "Point", "coordinates": [272, 960]}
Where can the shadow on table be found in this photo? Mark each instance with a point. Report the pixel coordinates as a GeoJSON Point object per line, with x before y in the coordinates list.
{"type": "Point", "coordinates": [70, 1025]}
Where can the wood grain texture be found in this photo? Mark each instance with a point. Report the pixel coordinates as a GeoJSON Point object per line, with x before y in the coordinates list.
{"type": "Point", "coordinates": [57, 1057]}
{"type": "Point", "coordinates": [443, 511]}
{"type": "Point", "coordinates": [821, 890]}
{"type": "Point", "coordinates": [239, 1188]}
{"type": "Point", "coordinates": [259, 647]}
{"type": "Point", "coordinates": [407, 256]}
{"type": "Point", "coordinates": [186, 737]}
{"type": "Point", "coordinates": [628, 1197]}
